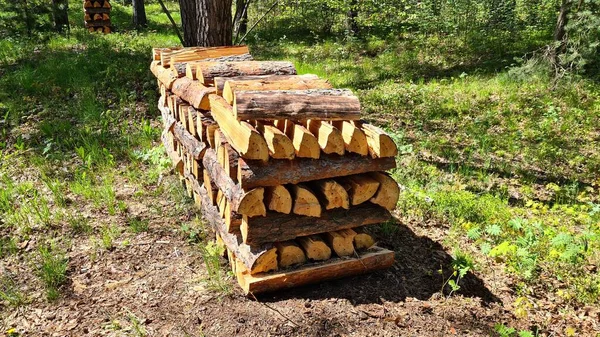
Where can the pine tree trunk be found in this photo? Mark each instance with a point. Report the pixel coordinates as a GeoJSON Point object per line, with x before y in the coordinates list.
{"type": "Point", "coordinates": [139, 14]}
{"type": "Point", "coordinates": [206, 23]}
{"type": "Point", "coordinates": [240, 21]}
{"type": "Point", "coordinates": [560, 31]}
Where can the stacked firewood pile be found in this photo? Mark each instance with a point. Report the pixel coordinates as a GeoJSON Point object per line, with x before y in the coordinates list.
{"type": "Point", "coordinates": [280, 164]}
{"type": "Point", "coordinates": [97, 15]}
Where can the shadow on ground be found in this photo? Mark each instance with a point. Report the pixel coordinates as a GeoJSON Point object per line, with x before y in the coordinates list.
{"type": "Point", "coordinates": [414, 274]}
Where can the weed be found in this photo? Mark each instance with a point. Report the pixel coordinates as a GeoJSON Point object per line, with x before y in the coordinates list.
{"type": "Point", "coordinates": [10, 293]}
{"type": "Point", "coordinates": [57, 188]}
{"type": "Point", "coordinates": [108, 234]}
{"type": "Point", "coordinates": [461, 265]}
{"type": "Point", "coordinates": [52, 269]}
{"type": "Point", "coordinates": [217, 279]}
{"type": "Point", "coordinates": [137, 224]}
{"type": "Point", "coordinates": [8, 246]}
{"type": "Point", "coordinates": [136, 325]}
{"type": "Point", "coordinates": [79, 224]}
{"type": "Point", "coordinates": [194, 231]}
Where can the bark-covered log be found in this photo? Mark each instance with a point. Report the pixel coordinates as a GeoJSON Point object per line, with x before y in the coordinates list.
{"type": "Point", "coordinates": [290, 83]}
{"type": "Point", "coordinates": [193, 92]}
{"type": "Point", "coordinates": [253, 173]}
{"type": "Point", "coordinates": [241, 135]}
{"type": "Point", "coordinates": [168, 119]}
{"type": "Point", "coordinates": [207, 71]}
{"type": "Point", "coordinates": [258, 258]}
{"type": "Point", "coordinates": [219, 82]}
{"type": "Point", "coordinates": [192, 66]}
{"type": "Point", "coordinates": [191, 144]}
{"type": "Point", "coordinates": [375, 259]}
{"type": "Point", "coordinates": [322, 104]}
{"type": "Point", "coordinates": [247, 202]}
{"type": "Point", "coordinates": [281, 227]}
{"type": "Point", "coordinates": [167, 58]}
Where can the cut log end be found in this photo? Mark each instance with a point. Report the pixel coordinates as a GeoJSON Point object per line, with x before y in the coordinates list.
{"type": "Point", "coordinates": [289, 254]}
{"type": "Point", "coordinates": [305, 201]}
{"type": "Point", "coordinates": [388, 192]}
{"type": "Point", "coordinates": [360, 187]}
{"type": "Point", "coordinates": [315, 248]}
{"type": "Point", "coordinates": [278, 199]}
{"type": "Point", "coordinates": [342, 241]}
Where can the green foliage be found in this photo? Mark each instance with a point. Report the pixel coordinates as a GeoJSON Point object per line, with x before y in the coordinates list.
{"type": "Point", "coordinates": [583, 43]}
{"type": "Point", "coordinates": [10, 294]}
{"type": "Point", "coordinates": [217, 279]}
{"type": "Point", "coordinates": [52, 269]}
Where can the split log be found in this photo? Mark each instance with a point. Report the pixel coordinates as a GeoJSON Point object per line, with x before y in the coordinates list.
{"type": "Point", "coordinates": [206, 127]}
{"type": "Point", "coordinates": [87, 17]}
{"type": "Point", "coordinates": [322, 104]}
{"type": "Point", "coordinates": [253, 173]}
{"type": "Point", "coordinates": [282, 227]}
{"type": "Point", "coordinates": [165, 76]}
{"type": "Point", "coordinates": [388, 192]}
{"type": "Point", "coordinates": [305, 201]}
{"type": "Point", "coordinates": [207, 71]}
{"type": "Point", "coordinates": [338, 268]}
{"type": "Point", "coordinates": [98, 17]}
{"type": "Point", "coordinates": [305, 143]}
{"type": "Point", "coordinates": [219, 82]}
{"type": "Point", "coordinates": [289, 254]}
{"type": "Point", "coordinates": [182, 109]}
{"type": "Point", "coordinates": [249, 203]}
{"type": "Point", "coordinates": [106, 4]}
{"type": "Point", "coordinates": [329, 137]}
{"type": "Point", "coordinates": [360, 187]}
{"type": "Point", "coordinates": [354, 139]}
{"type": "Point", "coordinates": [192, 91]}
{"type": "Point", "coordinates": [97, 4]}
{"type": "Point", "coordinates": [88, 4]}
{"type": "Point", "coordinates": [278, 199]}
{"type": "Point", "coordinates": [315, 248]}
{"type": "Point", "coordinates": [256, 259]}
{"type": "Point", "coordinates": [105, 17]}
{"type": "Point", "coordinates": [380, 143]}
{"type": "Point", "coordinates": [192, 117]}
{"type": "Point", "coordinates": [280, 146]}
{"type": "Point", "coordinates": [172, 103]}
{"type": "Point", "coordinates": [210, 187]}
{"type": "Point", "coordinates": [332, 194]}
{"type": "Point", "coordinates": [363, 240]}
{"type": "Point", "coordinates": [192, 145]}
{"type": "Point", "coordinates": [234, 85]}
{"type": "Point", "coordinates": [240, 135]}
{"type": "Point", "coordinates": [341, 241]}
{"type": "Point", "coordinates": [200, 53]}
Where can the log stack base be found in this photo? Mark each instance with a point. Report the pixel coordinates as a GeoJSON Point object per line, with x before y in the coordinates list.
{"type": "Point", "coordinates": [97, 15]}
{"type": "Point", "coordinates": [288, 192]}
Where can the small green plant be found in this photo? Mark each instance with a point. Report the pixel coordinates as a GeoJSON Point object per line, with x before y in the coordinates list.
{"type": "Point", "coordinates": [79, 224]}
{"type": "Point", "coordinates": [136, 325]}
{"type": "Point", "coordinates": [137, 224]}
{"type": "Point", "coordinates": [52, 269]}
{"type": "Point", "coordinates": [461, 265]}
{"type": "Point", "coordinates": [8, 246]}
{"type": "Point", "coordinates": [10, 293]}
{"type": "Point", "coordinates": [505, 331]}
{"type": "Point", "coordinates": [108, 234]}
{"type": "Point", "coordinates": [56, 187]}
{"type": "Point", "coordinates": [217, 279]}
{"type": "Point", "coordinates": [194, 231]}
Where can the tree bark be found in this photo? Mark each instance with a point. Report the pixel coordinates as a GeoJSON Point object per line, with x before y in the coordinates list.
{"type": "Point", "coordinates": [560, 31]}
{"type": "Point", "coordinates": [206, 23]}
{"type": "Point", "coordinates": [240, 21]}
{"type": "Point", "coordinates": [139, 14]}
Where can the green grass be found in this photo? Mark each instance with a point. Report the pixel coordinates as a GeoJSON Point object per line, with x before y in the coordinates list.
{"type": "Point", "coordinates": [52, 269]}
{"type": "Point", "coordinates": [217, 279]}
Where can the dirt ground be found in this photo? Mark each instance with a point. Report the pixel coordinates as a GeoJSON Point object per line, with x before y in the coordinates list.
{"type": "Point", "coordinates": [151, 284]}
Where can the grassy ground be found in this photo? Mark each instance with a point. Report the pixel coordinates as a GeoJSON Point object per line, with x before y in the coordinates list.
{"type": "Point", "coordinates": [499, 164]}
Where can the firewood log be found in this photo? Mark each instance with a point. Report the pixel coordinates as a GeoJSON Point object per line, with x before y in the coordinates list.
{"type": "Point", "coordinates": [360, 187]}
{"type": "Point", "coordinates": [289, 254]}
{"type": "Point", "coordinates": [321, 104]}
{"type": "Point", "coordinates": [315, 248]}
{"type": "Point", "coordinates": [332, 194]}
{"type": "Point", "coordinates": [278, 199]}
{"type": "Point", "coordinates": [240, 135]}
{"type": "Point", "coordinates": [219, 82]}
{"type": "Point", "coordinates": [341, 241]}
{"type": "Point", "coordinates": [279, 172]}
{"type": "Point", "coordinates": [200, 53]}
{"type": "Point", "coordinates": [305, 143]}
{"type": "Point", "coordinates": [235, 85]}
{"type": "Point", "coordinates": [388, 192]}
{"type": "Point", "coordinates": [363, 240]}
{"type": "Point", "coordinates": [280, 146]}
{"type": "Point", "coordinates": [380, 144]}
{"type": "Point", "coordinates": [329, 137]}
{"type": "Point", "coordinates": [207, 71]}
{"type": "Point", "coordinates": [305, 201]}
{"type": "Point", "coordinates": [192, 92]}
{"type": "Point", "coordinates": [354, 139]}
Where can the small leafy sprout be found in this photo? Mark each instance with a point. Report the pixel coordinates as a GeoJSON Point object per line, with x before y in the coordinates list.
{"type": "Point", "coordinates": [52, 269]}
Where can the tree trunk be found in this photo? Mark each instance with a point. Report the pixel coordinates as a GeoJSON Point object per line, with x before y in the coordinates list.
{"type": "Point", "coordinates": [240, 21]}
{"type": "Point", "coordinates": [560, 31]}
{"type": "Point", "coordinates": [139, 14]}
{"type": "Point", "coordinates": [60, 12]}
{"type": "Point", "coordinates": [206, 23]}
